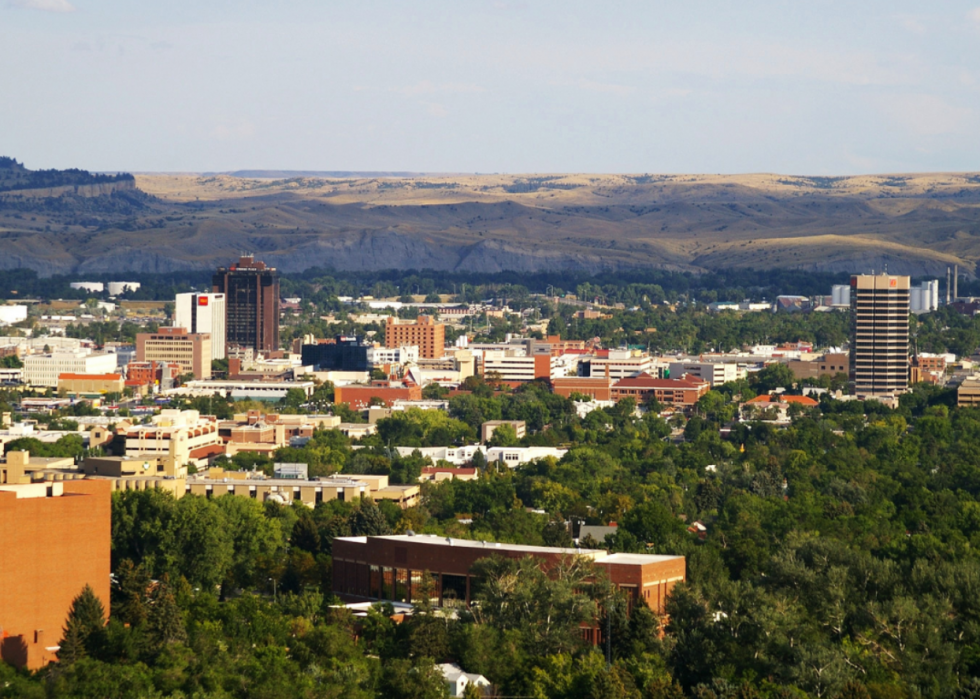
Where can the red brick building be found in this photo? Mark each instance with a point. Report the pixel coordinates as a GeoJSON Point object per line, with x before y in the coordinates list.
{"type": "Point", "coordinates": [681, 393]}
{"type": "Point", "coordinates": [595, 388]}
{"type": "Point", "coordinates": [56, 540]}
{"type": "Point", "coordinates": [426, 334]}
{"type": "Point", "coordinates": [358, 397]}
{"type": "Point", "coordinates": [392, 567]}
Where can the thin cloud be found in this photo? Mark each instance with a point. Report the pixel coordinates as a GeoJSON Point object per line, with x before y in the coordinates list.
{"type": "Point", "coordinates": [974, 15]}
{"type": "Point", "coordinates": [609, 88]}
{"type": "Point", "coordinates": [61, 6]}
{"type": "Point", "coordinates": [428, 88]}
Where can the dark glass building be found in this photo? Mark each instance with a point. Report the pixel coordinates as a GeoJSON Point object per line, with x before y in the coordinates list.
{"type": "Point", "coordinates": [340, 354]}
{"type": "Point", "coordinates": [251, 304]}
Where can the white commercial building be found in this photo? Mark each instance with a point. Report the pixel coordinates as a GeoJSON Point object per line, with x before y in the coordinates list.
{"type": "Point", "coordinates": [394, 355]}
{"type": "Point", "coordinates": [203, 313]}
{"type": "Point", "coordinates": [508, 456]}
{"type": "Point", "coordinates": [37, 344]}
{"type": "Point", "coordinates": [42, 370]}
{"type": "Point", "coordinates": [12, 314]}
{"type": "Point", "coordinates": [94, 287]}
{"type": "Point", "coordinates": [715, 373]}
{"type": "Point", "coordinates": [116, 288]}
{"type": "Point", "coordinates": [253, 390]}
{"type": "Point", "coordinates": [622, 364]}
{"type": "Point", "coordinates": [925, 297]}
{"type": "Point", "coordinates": [514, 366]}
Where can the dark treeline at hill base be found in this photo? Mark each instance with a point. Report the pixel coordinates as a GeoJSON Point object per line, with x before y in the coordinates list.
{"type": "Point", "coordinates": [612, 287]}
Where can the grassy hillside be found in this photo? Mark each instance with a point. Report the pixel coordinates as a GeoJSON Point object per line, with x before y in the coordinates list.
{"type": "Point", "coordinates": [914, 223]}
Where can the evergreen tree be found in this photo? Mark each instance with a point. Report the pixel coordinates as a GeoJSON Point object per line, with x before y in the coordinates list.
{"type": "Point", "coordinates": [129, 593]}
{"type": "Point", "coordinates": [165, 625]}
{"type": "Point", "coordinates": [306, 535]}
{"type": "Point", "coordinates": [369, 521]}
{"type": "Point", "coordinates": [85, 627]}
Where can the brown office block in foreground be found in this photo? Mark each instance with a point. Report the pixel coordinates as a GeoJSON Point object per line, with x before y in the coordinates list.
{"type": "Point", "coordinates": [56, 539]}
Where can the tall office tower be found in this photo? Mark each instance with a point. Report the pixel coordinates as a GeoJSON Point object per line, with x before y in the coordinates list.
{"type": "Point", "coordinates": [879, 334]}
{"type": "Point", "coordinates": [203, 313]}
{"type": "Point", "coordinates": [252, 304]}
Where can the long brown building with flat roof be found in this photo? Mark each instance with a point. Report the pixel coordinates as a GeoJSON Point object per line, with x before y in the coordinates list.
{"type": "Point", "coordinates": [392, 567]}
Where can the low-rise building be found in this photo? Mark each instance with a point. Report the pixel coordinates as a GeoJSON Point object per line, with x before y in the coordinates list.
{"type": "Point", "coordinates": [90, 384]}
{"type": "Point", "coordinates": [359, 397]}
{"type": "Point", "coordinates": [504, 456]}
{"type": "Point", "coordinates": [968, 393]}
{"type": "Point", "coordinates": [43, 370]}
{"type": "Point", "coordinates": [621, 364]}
{"type": "Point", "coordinates": [681, 392]}
{"type": "Point", "coordinates": [775, 407]}
{"type": "Point", "coordinates": [828, 364]}
{"type": "Point", "coordinates": [270, 391]}
{"type": "Point", "coordinates": [595, 388]}
{"type": "Point", "coordinates": [489, 427]}
{"type": "Point", "coordinates": [185, 436]}
{"type": "Point", "coordinates": [715, 373]}
{"type": "Point", "coordinates": [457, 680]}
{"type": "Point", "coordinates": [392, 568]}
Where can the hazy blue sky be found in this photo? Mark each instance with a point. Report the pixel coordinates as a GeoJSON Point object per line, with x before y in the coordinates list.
{"type": "Point", "coordinates": [819, 87]}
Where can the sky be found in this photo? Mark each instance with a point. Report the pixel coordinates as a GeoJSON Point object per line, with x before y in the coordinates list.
{"type": "Point", "coordinates": [492, 86]}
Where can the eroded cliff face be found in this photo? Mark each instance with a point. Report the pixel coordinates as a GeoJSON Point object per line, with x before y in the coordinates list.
{"type": "Point", "coordinates": [489, 224]}
{"type": "Point", "coordinates": [81, 190]}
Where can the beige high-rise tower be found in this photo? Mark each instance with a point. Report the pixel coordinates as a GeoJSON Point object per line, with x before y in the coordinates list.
{"type": "Point", "coordinates": [879, 334]}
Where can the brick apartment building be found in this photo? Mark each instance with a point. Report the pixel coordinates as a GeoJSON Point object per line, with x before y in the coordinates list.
{"type": "Point", "coordinates": [192, 351]}
{"type": "Point", "coordinates": [426, 334]}
{"type": "Point", "coordinates": [682, 393]}
{"type": "Point", "coordinates": [594, 388]}
{"type": "Point", "coordinates": [392, 567]}
{"type": "Point", "coordinates": [58, 542]}
{"type": "Point", "coordinates": [140, 374]}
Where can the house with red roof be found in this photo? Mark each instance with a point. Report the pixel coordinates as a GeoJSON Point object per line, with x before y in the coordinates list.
{"type": "Point", "coordinates": [775, 407]}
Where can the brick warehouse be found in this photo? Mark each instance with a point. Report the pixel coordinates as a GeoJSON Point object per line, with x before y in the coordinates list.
{"type": "Point", "coordinates": [391, 567]}
{"type": "Point", "coordinates": [56, 540]}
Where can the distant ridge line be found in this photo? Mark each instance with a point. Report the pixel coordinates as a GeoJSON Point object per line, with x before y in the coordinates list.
{"type": "Point", "coordinates": [360, 174]}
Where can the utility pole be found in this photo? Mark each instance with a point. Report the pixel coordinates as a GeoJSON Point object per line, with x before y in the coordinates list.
{"type": "Point", "coordinates": [609, 633]}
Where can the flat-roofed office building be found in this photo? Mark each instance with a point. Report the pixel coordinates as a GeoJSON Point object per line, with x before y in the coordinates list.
{"type": "Point", "coordinates": [879, 353]}
{"type": "Point", "coordinates": [251, 292]}
{"type": "Point", "coordinates": [203, 313]}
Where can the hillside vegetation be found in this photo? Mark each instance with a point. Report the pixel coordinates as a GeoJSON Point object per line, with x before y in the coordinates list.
{"type": "Point", "coordinates": [917, 224]}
